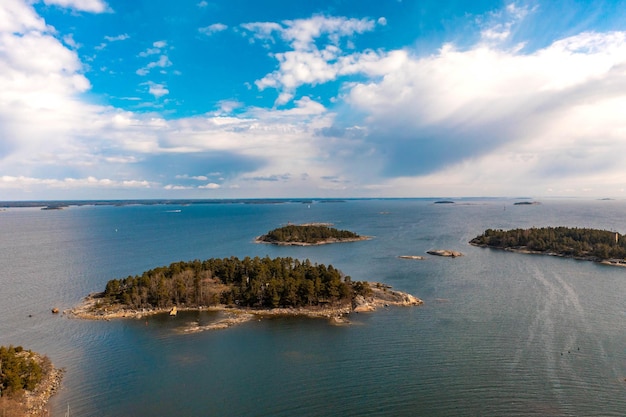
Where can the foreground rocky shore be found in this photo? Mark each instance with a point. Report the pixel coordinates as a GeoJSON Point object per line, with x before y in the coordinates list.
{"type": "Point", "coordinates": [382, 295]}
{"type": "Point", "coordinates": [34, 402]}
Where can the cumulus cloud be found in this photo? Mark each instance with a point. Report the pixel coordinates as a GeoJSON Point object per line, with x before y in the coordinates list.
{"type": "Point", "coordinates": [551, 106]}
{"type": "Point", "coordinates": [54, 139]}
{"type": "Point", "coordinates": [158, 48]}
{"type": "Point", "coordinates": [16, 16]}
{"type": "Point", "coordinates": [7, 181]}
{"type": "Point", "coordinates": [210, 186]}
{"type": "Point", "coordinates": [162, 62]}
{"type": "Point", "coordinates": [481, 117]}
{"type": "Point", "coordinates": [117, 38]}
{"type": "Point", "coordinates": [92, 6]}
{"type": "Point", "coordinates": [214, 28]}
{"type": "Point", "coordinates": [157, 90]}
{"type": "Point", "coordinates": [316, 55]}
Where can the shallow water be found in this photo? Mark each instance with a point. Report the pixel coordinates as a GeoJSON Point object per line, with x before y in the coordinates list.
{"type": "Point", "coordinates": [500, 334]}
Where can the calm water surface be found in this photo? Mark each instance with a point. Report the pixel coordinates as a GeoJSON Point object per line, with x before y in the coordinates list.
{"type": "Point", "coordinates": [500, 334]}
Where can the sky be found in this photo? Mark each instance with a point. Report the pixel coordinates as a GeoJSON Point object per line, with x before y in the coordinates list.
{"type": "Point", "coordinates": [122, 99]}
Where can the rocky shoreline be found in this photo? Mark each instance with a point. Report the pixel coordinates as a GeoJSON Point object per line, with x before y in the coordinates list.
{"type": "Point", "coordinates": [382, 296]}
{"type": "Point", "coordinates": [36, 401]}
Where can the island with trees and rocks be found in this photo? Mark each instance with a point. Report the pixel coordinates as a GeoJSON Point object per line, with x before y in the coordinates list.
{"type": "Point", "coordinates": [308, 234]}
{"type": "Point", "coordinates": [596, 245]}
{"type": "Point", "coordinates": [242, 287]}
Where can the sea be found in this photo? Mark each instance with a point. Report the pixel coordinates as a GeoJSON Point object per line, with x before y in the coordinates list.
{"type": "Point", "coordinates": [499, 334]}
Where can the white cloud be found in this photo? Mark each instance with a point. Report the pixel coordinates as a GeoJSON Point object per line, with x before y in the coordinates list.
{"type": "Point", "coordinates": [476, 112]}
{"type": "Point", "coordinates": [308, 62]}
{"type": "Point", "coordinates": [7, 181]}
{"type": "Point", "coordinates": [263, 30]}
{"type": "Point", "coordinates": [162, 62]}
{"type": "Point", "coordinates": [486, 118]}
{"type": "Point", "coordinates": [210, 186]}
{"type": "Point", "coordinates": [117, 38]}
{"type": "Point", "coordinates": [177, 187]}
{"type": "Point", "coordinates": [157, 90]}
{"type": "Point", "coordinates": [297, 68]}
{"type": "Point", "coordinates": [302, 33]}
{"type": "Point", "coordinates": [192, 177]}
{"type": "Point", "coordinates": [498, 25]}
{"type": "Point", "coordinates": [214, 28]}
{"type": "Point", "coordinates": [17, 16]}
{"type": "Point", "coordinates": [93, 6]}
{"type": "Point", "coordinates": [157, 48]}
{"type": "Point", "coordinates": [69, 41]}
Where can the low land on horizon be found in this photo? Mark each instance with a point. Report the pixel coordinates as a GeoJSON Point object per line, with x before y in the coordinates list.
{"type": "Point", "coordinates": [61, 203]}
{"type": "Point", "coordinates": [58, 204]}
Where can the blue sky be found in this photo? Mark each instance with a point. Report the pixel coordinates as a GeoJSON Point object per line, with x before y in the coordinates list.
{"type": "Point", "coordinates": [337, 98]}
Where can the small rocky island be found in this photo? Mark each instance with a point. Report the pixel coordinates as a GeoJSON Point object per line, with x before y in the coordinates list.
{"type": "Point", "coordinates": [27, 381]}
{"type": "Point", "coordinates": [580, 243]}
{"type": "Point", "coordinates": [444, 252]}
{"type": "Point", "coordinates": [308, 234]}
{"type": "Point", "coordinates": [241, 289]}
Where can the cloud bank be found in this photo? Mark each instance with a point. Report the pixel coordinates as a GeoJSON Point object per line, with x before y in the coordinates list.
{"type": "Point", "coordinates": [492, 118]}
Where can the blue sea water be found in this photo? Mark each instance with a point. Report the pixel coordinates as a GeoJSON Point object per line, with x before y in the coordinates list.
{"type": "Point", "coordinates": [500, 334]}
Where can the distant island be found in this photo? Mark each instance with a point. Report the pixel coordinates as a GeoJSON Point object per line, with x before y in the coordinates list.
{"type": "Point", "coordinates": [241, 287]}
{"type": "Point", "coordinates": [580, 243]}
{"type": "Point", "coordinates": [527, 203]}
{"type": "Point", "coordinates": [27, 381]}
{"type": "Point", "coordinates": [308, 234]}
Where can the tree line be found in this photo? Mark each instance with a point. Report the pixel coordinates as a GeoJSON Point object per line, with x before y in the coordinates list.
{"type": "Point", "coordinates": [306, 234]}
{"type": "Point", "coordinates": [249, 282]}
{"type": "Point", "coordinates": [568, 241]}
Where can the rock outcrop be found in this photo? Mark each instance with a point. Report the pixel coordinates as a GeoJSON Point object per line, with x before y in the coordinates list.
{"type": "Point", "coordinates": [444, 252]}
{"type": "Point", "coordinates": [382, 296]}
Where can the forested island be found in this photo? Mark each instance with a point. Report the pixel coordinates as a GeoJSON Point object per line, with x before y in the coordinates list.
{"type": "Point", "coordinates": [27, 380]}
{"type": "Point", "coordinates": [581, 243]}
{"type": "Point", "coordinates": [308, 234]}
{"type": "Point", "coordinates": [250, 285]}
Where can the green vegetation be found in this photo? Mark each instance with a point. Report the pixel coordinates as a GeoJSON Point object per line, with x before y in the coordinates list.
{"type": "Point", "coordinates": [566, 241]}
{"type": "Point", "coordinates": [251, 282]}
{"type": "Point", "coordinates": [19, 370]}
{"type": "Point", "coordinates": [311, 234]}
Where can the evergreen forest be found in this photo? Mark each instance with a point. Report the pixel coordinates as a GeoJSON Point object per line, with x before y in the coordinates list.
{"type": "Point", "coordinates": [566, 241]}
{"type": "Point", "coordinates": [311, 234]}
{"type": "Point", "coordinates": [19, 370]}
{"type": "Point", "coordinates": [249, 282]}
